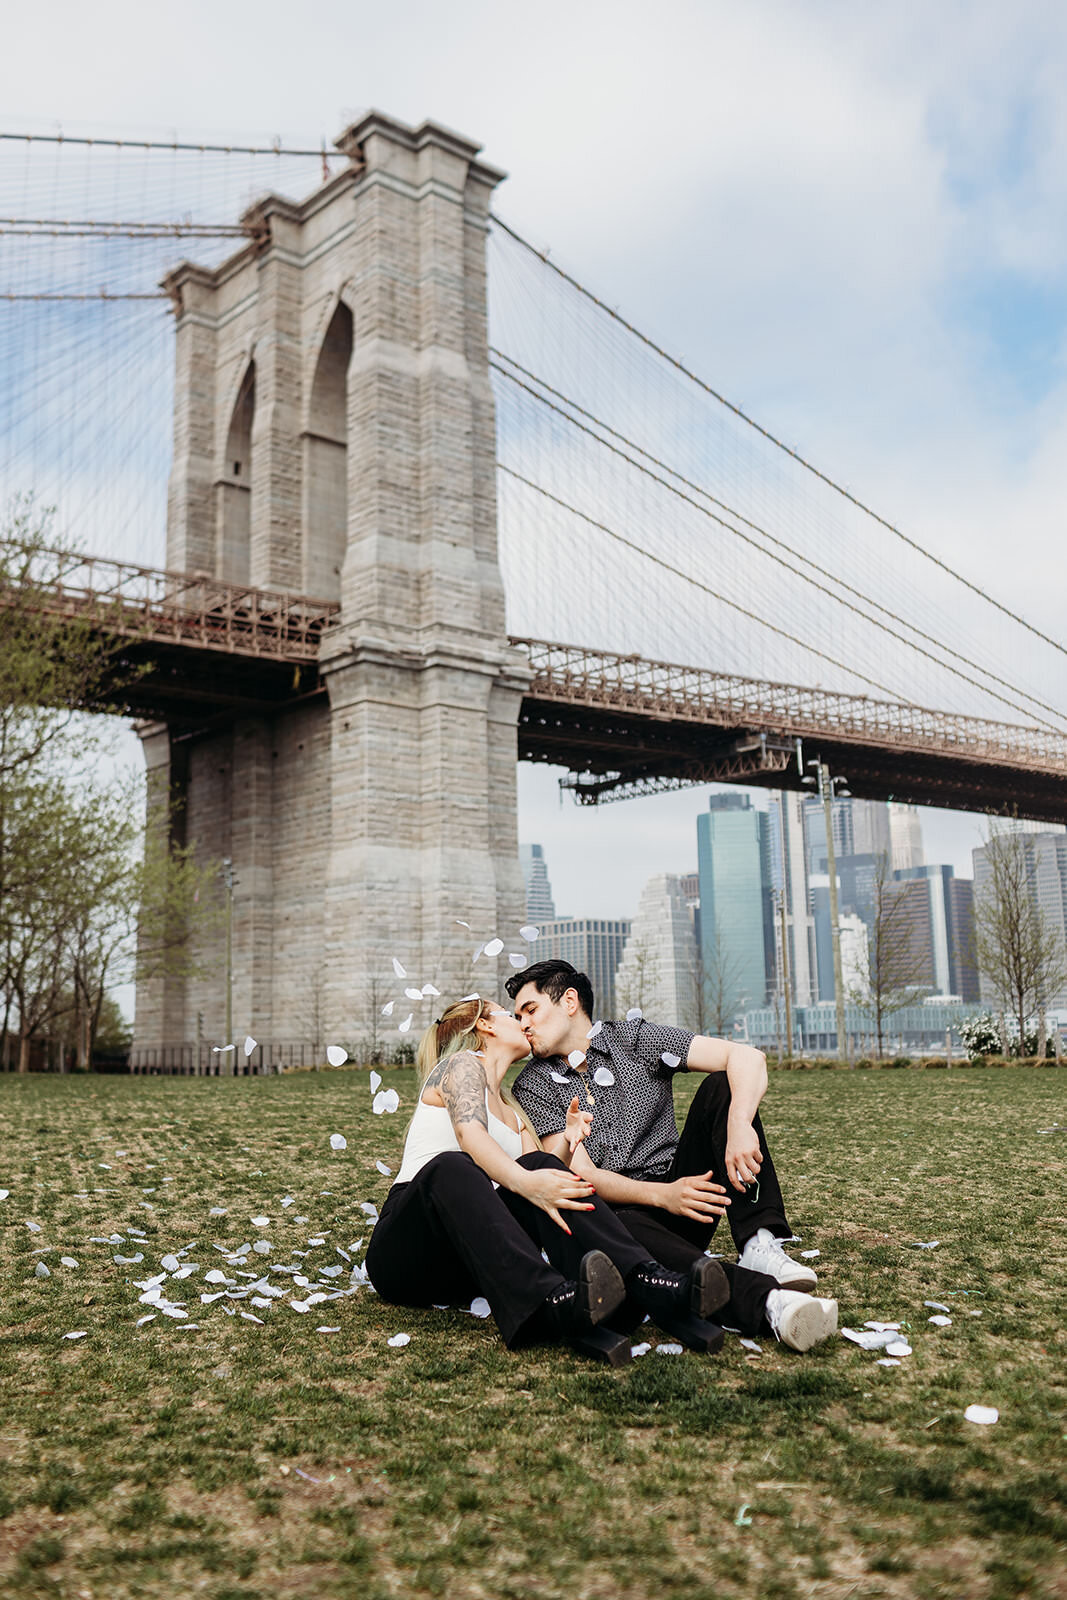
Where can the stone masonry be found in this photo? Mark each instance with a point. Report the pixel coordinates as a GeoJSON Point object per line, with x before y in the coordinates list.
{"type": "Point", "coordinates": [334, 435]}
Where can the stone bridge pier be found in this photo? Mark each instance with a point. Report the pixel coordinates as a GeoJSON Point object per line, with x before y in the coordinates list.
{"type": "Point", "coordinates": [334, 436]}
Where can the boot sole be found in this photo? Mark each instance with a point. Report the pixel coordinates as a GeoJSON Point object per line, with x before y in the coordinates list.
{"type": "Point", "coordinates": [694, 1332]}
{"type": "Point", "coordinates": [809, 1325]}
{"type": "Point", "coordinates": [709, 1288]}
{"type": "Point", "coordinates": [601, 1344]}
{"type": "Point", "coordinates": [600, 1287]}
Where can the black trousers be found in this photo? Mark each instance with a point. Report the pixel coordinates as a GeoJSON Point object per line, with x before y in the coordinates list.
{"type": "Point", "coordinates": [678, 1241]}
{"type": "Point", "coordinates": [449, 1235]}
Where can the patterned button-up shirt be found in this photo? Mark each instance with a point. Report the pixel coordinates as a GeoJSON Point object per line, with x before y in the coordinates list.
{"type": "Point", "coordinates": [626, 1083]}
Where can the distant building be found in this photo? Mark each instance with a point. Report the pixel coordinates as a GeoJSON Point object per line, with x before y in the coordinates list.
{"type": "Point", "coordinates": [1046, 864]}
{"type": "Point", "coordinates": [658, 970]}
{"type": "Point", "coordinates": [939, 915]}
{"type": "Point", "coordinates": [905, 837]}
{"type": "Point", "coordinates": [540, 906]}
{"type": "Point", "coordinates": [593, 945]}
{"type": "Point", "coordinates": [860, 828]}
{"type": "Point", "coordinates": [736, 912]}
{"type": "Point", "coordinates": [788, 874]}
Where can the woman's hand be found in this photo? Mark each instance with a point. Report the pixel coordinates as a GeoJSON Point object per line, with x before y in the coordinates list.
{"type": "Point", "coordinates": [554, 1191]}
{"type": "Point", "coordinates": [579, 1125]}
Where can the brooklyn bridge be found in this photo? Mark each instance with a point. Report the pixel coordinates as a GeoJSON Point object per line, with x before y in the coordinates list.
{"type": "Point", "coordinates": [435, 508]}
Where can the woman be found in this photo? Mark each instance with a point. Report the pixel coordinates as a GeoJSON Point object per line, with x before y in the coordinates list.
{"type": "Point", "coordinates": [477, 1199]}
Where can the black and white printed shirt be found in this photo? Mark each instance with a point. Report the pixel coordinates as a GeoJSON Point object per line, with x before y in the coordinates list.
{"type": "Point", "coordinates": [626, 1083]}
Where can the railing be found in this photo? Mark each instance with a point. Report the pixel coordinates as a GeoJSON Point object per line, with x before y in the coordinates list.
{"type": "Point", "coordinates": [579, 676]}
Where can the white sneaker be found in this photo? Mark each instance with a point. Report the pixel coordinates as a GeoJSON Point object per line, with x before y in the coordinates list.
{"type": "Point", "coordinates": [764, 1253]}
{"type": "Point", "coordinates": [800, 1320]}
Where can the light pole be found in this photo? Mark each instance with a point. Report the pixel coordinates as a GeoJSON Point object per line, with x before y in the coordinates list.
{"type": "Point", "coordinates": [227, 878]}
{"type": "Point", "coordinates": [827, 786]}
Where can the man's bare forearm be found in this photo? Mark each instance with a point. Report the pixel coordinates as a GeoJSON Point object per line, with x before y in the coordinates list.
{"type": "Point", "coordinates": [746, 1073]}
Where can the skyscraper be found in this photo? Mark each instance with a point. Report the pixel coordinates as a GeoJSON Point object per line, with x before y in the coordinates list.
{"type": "Point", "coordinates": [938, 914]}
{"type": "Point", "coordinates": [788, 874]}
{"type": "Point", "coordinates": [540, 907]}
{"type": "Point", "coordinates": [905, 836]}
{"type": "Point", "coordinates": [736, 921]}
{"type": "Point", "coordinates": [592, 944]}
{"type": "Point", "coordinates": [658, 970]}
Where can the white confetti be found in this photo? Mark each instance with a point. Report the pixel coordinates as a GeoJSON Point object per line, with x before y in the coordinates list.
{"type": "Point", "coordinates": [810, 1255]}
{"type": "Point", "coordinates": [336, 1055]}
{"type": "Point", "coordinates": [250, 1316]}
{"type": "Point", "coordinates": [460, 922]}
{"type": "Point", "coordinates": [221, 1049]}
{"type": "Point", "coordinates": [640, 1349]}
{"type": "Point", "coordinates": [467, 997]}
{"type": "Point", "coordinates": [327, 1330]}
{"type": "Point", "coordinates": [128, 1261]}
{"type": "Point", "coordinates": [494, 947]}
{"type": "Point", "coordinates": [413, 994]}
{"type": "Point", "coordinates": [750, 1344]}
{"type": "Point", "coordinates": [477, 953]}
{"type": "Point", "coordinates": [594, 1030]}
{"type": "Point", "coordinates": [930, 1244]}
{"type": "Point", "coordinates": [78, 1334]}
{"type": "Point", "coordinates": [398, 1341]}
{"type": "Point", "coordinates": [217, 1211]}
{"type": "Point", "coordinates": [375, 1082]}
{"type": "Point", "coordinates": [517, 960]}
{"type": "Point", "coordinates": [604, 1076]}
{"type": "Point", "coordinates": [557, 1077]}
{"type": "Point", "coordinates": [262, 1247]}
{"type": "Point", "coordinates": [940, 1322]}
{"type": "Point", "coordinates": [4, 1193]}
{"type": "Point", "coordinates": [385, 1102]}
{"type": "Point", "coordinates": [868, 1341]}
{"type": "Point", "coordinates": [670, 1060]}
{"type": "Point", "coordinates": [250, 1044]}
{"type": "Point", "coordinates": [406, 1024]}
{"type": "Point", "coordinates": [260, 1222]}
{"type": "Point", "coordinates": [899, 1347]}
{"type": "Point", "coordinates": [887, 1361]}
{"type": "Point", "coordinates": [400, 971]}
{"type": "Point", "coordinates": [634, 1015]}
{"type": "Point", "coordinates": [883, 1327]}
{"type": "Point", "coordinates": [371, 1210]}
{"type": "Point", "coordinates": [386, 1172]}
{"type": "Point", "coordinates": [387, 1009]}
{"type": "Point", "coordinates": [529, 933]}
{"type": "Point", "coordinates": [668, 1349]}
{"type": "Point", "coordinates": [41, 1271]}
{"type": "Point", "coordinates": [338, 1141]}
{"type": "Point", "coordinates": [983, 1414]}
{"type": "Point", "coordinates": [288, 1201]}
{"type": "Point", "coordinates": [428, 989]}
{"type": "Point", "coordinates": [576, 1058]}
{"type": "Point", "coordinates": [68, 1261]}
{"type": "Point", "coordinates": [169, 1263]}
{"type": "Point", "coordinates": [35, 1227]}
{"type": "Point", "coordinates": [480, 1307]}
{"type": "Point", "coordinates": [936, 1305]}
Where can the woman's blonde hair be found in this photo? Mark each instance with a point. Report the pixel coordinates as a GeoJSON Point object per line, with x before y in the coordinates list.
{"type": "Point", "coordinates": [456, 1029]}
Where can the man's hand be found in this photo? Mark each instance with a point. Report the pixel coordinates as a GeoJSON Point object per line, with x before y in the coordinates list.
{"type": "Point", "coordinates": [579, 1123]}
{"type": "Point", "coordinates": [697, 1198]}
{"type": "Point", "coordinates": [743, 1154]}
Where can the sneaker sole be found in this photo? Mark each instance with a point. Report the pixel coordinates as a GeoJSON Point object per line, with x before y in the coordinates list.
{"type": "Point", "coordinates": [809, 1325]}
{"type": "Point", "coordinates": [805, 1280]}
{"type": "Point", "coordinates": [710, 1288]}
{"type": "Point", "coordinates": [600, 1287]}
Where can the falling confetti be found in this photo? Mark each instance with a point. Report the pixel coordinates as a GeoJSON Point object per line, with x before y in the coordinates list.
{"type": "Point", "coordinates": [338, 1141]}
{"type": "Point", "coordinates": [529, 933]}
{"type": "Point", "coordinates": [428, 990]}
{"type": "Point", "coordinates": [400, 971]}
{"type": "Point", "coordinates": [398, 1341]}
{"type": "Point", "coordinates": [460, 922]}
{"type": "Point", "coordinates": [387, 1009]}
{"type": "Point", "coordinates": [386, 1172]}
{"type": "Point", "coordinates": [406, 1024]}
{"type": "Point", "coordinates": [557, 1077]}
{"type": "Point", "coordinates": [517, 959]}
{"type": "Point", "coordinates": [634, 1015]}
{"type": "Point", "coordinates": [982, 1414]}
{"type": "Point", "coordinates": [413, 994]}
{"type": "Point", "coordinates": [604, 1077]}
{"type": "Point", "coordinates": [375, 1082]}
{"type": "Point", "coordinates": [494, 947]}
{"type": "Point", "coordinates": [336, 1055]}
{"type": "Point", "coordinates": [250, 1044]}
{"type": "Point", "coordinates": [594, 1030]}
{"type": "Point", "coordinates": [467, 997]}
{"type": "Point", "coordinates": [576, 1058]}
{"type": "Point", "coordinates": [385, 1101]}
{"type": "Point", "coordinates": [670, 1060]}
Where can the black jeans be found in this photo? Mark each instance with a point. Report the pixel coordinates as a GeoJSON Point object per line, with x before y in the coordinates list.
{"type": "Point", "coordinates": [678, 1241]}
{"type": "Point", "coordinates": [449, 1235]}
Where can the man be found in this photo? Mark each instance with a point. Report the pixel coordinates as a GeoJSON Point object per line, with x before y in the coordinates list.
{"type": "Point", "coordinates": [669, 1190]}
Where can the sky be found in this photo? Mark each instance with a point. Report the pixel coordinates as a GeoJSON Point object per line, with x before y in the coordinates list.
{"type": "Point", "coordinates": [851, 219]}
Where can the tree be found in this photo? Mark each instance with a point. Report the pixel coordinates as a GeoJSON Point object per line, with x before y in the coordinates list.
{"type": "Point", "coordinates": [718, 984]}
{"type": "Point", "coordinates": [1016, 947]}
{"type": "Point", "coordinates": [638, 976]}
{"type": "Point", "coordinates": [898, 960]}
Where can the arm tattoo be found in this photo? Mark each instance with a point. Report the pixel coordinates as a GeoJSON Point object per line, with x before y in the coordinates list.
{"type": "Point", "coordinates": [462, 1086]}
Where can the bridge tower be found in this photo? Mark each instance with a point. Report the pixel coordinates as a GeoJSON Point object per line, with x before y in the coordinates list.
{"type": "Point", "coordinates": [334, 436]}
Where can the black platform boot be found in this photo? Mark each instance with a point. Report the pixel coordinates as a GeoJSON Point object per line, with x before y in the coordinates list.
{"type": "Point", "coordinates": [575, 1310]}
{"type": "Point", "coordinates": [681, 1302]}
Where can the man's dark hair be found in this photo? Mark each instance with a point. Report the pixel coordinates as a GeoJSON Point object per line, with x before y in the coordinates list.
{"type": "Point", "coordinates": [554, 978]}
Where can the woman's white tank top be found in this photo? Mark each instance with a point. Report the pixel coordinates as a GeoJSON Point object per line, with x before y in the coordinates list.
{"type": "Point", "coordinates": [431, 1133]}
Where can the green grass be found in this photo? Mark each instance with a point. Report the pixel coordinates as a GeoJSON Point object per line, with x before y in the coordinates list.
{"type": "Point", "coordinates": [163, 1461]}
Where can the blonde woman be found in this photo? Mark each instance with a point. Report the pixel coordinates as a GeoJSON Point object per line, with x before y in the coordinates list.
{"type": "Point", "coordinates": [477, 1199]}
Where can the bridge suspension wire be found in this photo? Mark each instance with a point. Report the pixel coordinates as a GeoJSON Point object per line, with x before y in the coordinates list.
{"type": "Point", "coordinates": [497, 362]}
{"type": "Point", "coordinates": [170, 145]}
{"type": "Point", "coordinates": [697, 583]}
{"type": "Point", "coordinates": [772, 438]}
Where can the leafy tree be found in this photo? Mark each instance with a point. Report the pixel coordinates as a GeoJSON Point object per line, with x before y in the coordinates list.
{"type": "Point", "coordinates": [1016, 947]}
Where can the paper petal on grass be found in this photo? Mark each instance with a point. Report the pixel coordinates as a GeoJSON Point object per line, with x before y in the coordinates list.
{"type": "Point", "coordinates": [250, 1044]}
{"type": "Point", "coordinates": [930, 1244]}
{"type": "Point", "coordinates": [576, 1058]}
{"type": "Point", "coordinates": [480, 1307]}
{"type": "Point", "coordinates": [883, 1327]}
{"type": "Point", "coordinates": [935, 1305]}
{"type": "Point", "coordinates": [428, 989]}
{"type": "Point", "coordinates": [263, 1247]}
{"type": "Point", "coordinates": [634, 1015]}
{"type": "Point", "coordinates": [668, 1349]}
{"type": "Point", "coordinates": [41, 1271]}
{"type": "Point", "coordinates": [169, 1263]}
{"type": "Point", "coordinates": [260, 1222]}
{"type": "Point", "coordinates": [386, 1172]}
{"type": "Point", "coordinates": [640, 1349]}
{"type": "Point", "coordinates": [529, 933]}
{"type": "Point", "coordinates": [809, 1255]}
{"type": "Point", "coordinates": [750, 1344]}
{"type": "Point", "coordinates": [371, 1210]}
{"type": "Point", "coordinates": [868, 1340]}
{"type": "Point", "coordinates": [336, 1055]}
{"type": "Point", "coordinates": [982, 1414]}
{"type": "Point", "coordinates": [375, 1082]}
{"type": "Point", "coordinates": [398, 1341]}
{"type": "Point", "coordinates": [250, 1316]}
{"type": "Point", "coordinates": [151, 1317]}
{"type": "Point", "coordinates": [899, 1347]}
{"type": "Point", "coordinates": [68, 1261]}
{"type": "Point", "coordinates": [604, 1076]}
{"type": "Point", "coordinates": [217, 1211]}
{"type": "Point", "coordinates": [4, 1193]}
{"type": "Point", "coordinates": [327, 1330]}
{"type": "Point", "coordinates": [79, 1334]}
{"type": "Point", "coordinates": [338, 1141]}
{"type": "Point", "coordinates": [887, 1361]}
{"type": "Point", "coordinates": [742, 1520]}
{"type": "Point", "coordinates": [35, 1227]}
{"type": "Point", "coordinates": [387, 1009]}
{"type": "Point", "coordinates": [400, 971]}
{"type": "Point", "coordinates": [557, 1077]}
{"type": "Point", "coordinates": [406, 1024]}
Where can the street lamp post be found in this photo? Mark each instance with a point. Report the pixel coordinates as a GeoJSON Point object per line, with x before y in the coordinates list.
{"type": "Point", "coordinates": [227, 878]}
{"type": "Point", "coordinates": [827, 786]}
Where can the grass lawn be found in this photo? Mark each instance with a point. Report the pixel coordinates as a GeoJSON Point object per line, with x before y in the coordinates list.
{"type": "Point", "coordinates": [265, 1458]}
